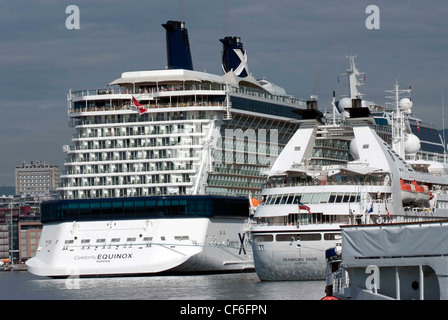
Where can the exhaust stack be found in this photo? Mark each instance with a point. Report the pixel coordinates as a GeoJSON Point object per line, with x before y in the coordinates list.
{"type": "Point", "coordinates": [234, 57]}
{"type": "Point", "coordinates": [177, 46]}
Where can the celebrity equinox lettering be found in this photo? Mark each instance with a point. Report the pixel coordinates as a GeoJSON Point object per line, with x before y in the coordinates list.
{"type": "Point", "coordinates": [114, 256]}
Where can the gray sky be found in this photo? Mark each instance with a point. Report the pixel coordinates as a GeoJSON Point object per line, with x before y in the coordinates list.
{"type": "Point", "coordinates": [299, 45]}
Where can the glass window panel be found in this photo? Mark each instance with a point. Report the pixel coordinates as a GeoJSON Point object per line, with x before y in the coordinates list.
{"type": "Point", "coordinates": [306, 198]}
{"type": "Point", "coordinates": [325, 197]}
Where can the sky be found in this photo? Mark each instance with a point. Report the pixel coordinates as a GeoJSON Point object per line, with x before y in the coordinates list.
{"type": "Point", "coordinates": [298, 45]}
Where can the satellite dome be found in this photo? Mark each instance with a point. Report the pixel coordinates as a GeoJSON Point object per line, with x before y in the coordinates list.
{"type": "Point", "coordinates": [405, 104]}
{"type": "Point", "coordinates": [411, 144]}
{"type": "Point", "coordinates": [354, 149]}
{"type": "Point", "coordinates": [344, 103]}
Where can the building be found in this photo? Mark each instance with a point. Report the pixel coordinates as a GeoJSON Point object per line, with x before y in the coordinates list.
{"type": "Point", "coordinates": [36, 178]}
{"type": "Point", "coordinates": [20, 227]}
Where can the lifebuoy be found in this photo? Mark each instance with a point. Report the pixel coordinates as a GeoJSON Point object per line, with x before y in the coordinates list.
{"type": "Point", "coordinates": [324, 182]}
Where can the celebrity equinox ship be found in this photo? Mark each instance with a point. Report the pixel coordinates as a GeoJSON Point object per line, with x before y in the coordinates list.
{"type": "Point", "coordinates": [340, 171]}
{"type": "Point", "coordinates": [160, 168]}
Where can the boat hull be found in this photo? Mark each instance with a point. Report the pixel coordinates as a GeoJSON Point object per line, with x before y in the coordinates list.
{"type": "Point", "coordinates": [301, 258]}
{"type": "Point", "coordinates": [136, 247]}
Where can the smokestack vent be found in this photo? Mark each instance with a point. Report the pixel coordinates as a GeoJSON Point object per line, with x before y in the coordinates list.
{"type": "Point", "coordinates": [234, 57]}
{"type": "Point", "coordinates": [178, 46]}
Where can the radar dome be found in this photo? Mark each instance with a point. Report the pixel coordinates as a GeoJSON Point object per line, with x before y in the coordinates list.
{"type": "Point", "coordinates": [405, 104]}
{"type": "Point", "coordinates": [411, 144]}
{"type": "Point", "coordinates": [344, 103]}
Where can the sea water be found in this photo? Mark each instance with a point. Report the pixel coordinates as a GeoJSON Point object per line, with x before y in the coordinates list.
{"type": "Point", "coordinates": [22, 285]}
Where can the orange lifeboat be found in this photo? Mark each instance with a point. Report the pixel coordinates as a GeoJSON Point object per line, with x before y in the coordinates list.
{"type": "Point", "coordinates": [422, 193]}
{"type": "Point", "coordinates": [408, 192]}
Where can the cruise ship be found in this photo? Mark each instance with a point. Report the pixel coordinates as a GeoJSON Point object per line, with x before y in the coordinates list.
{"type": "Point", "coordinates": [160, 168]}
{"type": "Point", "coordinates": [348, 169]}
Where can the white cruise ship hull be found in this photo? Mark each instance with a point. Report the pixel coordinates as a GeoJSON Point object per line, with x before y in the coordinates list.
{"type": "Point", "coordinates": [279, 259]}
{"type": "Point", "coordinates": [146, 246]}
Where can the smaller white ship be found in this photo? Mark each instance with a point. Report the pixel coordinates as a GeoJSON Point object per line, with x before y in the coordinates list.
{"type": "Point", "coordinates": [341, 172]}
{"type": "Point", "coordinates": [397, 261]}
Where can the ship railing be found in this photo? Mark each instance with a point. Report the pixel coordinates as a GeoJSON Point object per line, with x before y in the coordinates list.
{"type": "Point", "coordinates": [378, 182]}
{"type": "Point", "coordinates": [155, 105]}
{"type": "Point", "coordinates": [340, 280]}
{"type": "Point", "coordinates": [429, 156]}
{"type": "Point", "coordinates": [148, 93]}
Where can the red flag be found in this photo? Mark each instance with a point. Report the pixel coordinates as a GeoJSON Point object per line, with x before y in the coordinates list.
{"type": "Point", "coordinates": [136, 103]}
{"type": "Point", "coordinates": [304, 207]}
{"type": "Point", "coordinates": [142, 110]}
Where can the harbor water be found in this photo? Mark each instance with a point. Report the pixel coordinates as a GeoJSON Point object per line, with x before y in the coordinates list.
{"type": "Point", "coordinates": [22, 285]}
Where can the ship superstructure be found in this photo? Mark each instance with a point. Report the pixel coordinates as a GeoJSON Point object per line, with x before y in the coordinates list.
{"type": "Point", "coordinates": [160, 167]}
{"type": "Point", "coordinates": [341, 171]}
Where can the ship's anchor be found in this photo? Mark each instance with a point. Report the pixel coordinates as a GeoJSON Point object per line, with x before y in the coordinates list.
{"type": "Point", "coordinates": [242, 243]}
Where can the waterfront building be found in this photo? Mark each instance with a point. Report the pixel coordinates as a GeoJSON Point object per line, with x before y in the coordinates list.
{"type": "Point", "coordinates": [36, 178]}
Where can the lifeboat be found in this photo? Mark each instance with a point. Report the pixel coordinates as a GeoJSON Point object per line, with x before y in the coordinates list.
{"type": "Point", "coordinates": [422, 193]}
{"type": "Point", "coordinates": [408, 192]}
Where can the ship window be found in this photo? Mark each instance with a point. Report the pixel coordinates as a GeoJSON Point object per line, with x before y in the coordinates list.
{"type": "Point", "coordinates": [264, 238]}
{"type": "Point", "coordinates": [268, 199]}
{"type": "Point", "coordinates": [306, 198]}
{"type": "Point", "coordinates": [147, 239]}
{"type": "Point", "coordinates": [100, 240]}
{"type": "Point", "coordinates": [315, 198]}
{"type": "Point", "coordinates": [325, 197]}
{"type": "Point", "coordinates": [181, 238]}
{"type": "Point", "coordinates": [332, 236]}
{"type": "Point", "coordinates": [85, 241]}
{"type": "Point", "coordinates": [130, 239]}
{"type": "Point", "coordinates": [68, 242]}
{"type": "Point", "coordinates": [284, 198]}
{"type": "Point", "coordinates": [290, 199]}
{"type": "Point", "coordinates": [277, 201]}
{"type": "Point", "coordinates": [310, 237]}
{"type": "Point", "coordinates": [115, 240]}
{"type": "Point", "coordinates": [286, 237]}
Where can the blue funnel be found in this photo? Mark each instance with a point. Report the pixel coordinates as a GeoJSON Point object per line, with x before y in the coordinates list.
{"type": "Point", "coordinates": [177, 46]}
{"type": "Point", "coordinates": [234, 57]}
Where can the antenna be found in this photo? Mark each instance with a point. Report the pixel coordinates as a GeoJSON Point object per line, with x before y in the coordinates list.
{"type": "Point", "coordinates": [355, 78]}
{"type": "Point", "coordinates": [443, 129]}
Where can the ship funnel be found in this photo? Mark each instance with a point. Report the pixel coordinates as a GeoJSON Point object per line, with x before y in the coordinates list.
{"type": "Point", "coordinates": [234, 57]}
{"type": "Point", "coordinates": [177, 46]}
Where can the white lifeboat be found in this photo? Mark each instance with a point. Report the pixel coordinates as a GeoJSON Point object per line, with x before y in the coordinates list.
{"type": "Point", "coordinates": [408, 192]}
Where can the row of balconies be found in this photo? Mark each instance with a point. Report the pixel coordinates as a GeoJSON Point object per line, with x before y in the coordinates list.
{"type": "Point", "coordinates": [143, 144]}
{"type": "Point", "coordinates": [126, 171]}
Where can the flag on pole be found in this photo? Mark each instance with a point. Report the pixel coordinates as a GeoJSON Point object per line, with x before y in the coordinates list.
{"type": "Point", "coordinates": [418, 127]}
{"type": "Point", "coordinates": [387, 210]}
{"type": "Point", "coordinates": [371, 209]}
{"type": "Point", "coordinates": [140, 107]}
{"type": "Point", "coordinates": [304, 207]}
{"type": "Point", "coordinates": [142, 110]}
{"type": "Point", "coordinates": [136, 103]}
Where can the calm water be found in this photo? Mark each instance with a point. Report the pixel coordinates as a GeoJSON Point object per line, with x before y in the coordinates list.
{"type": "Point", "coordinates": [25, 286]}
